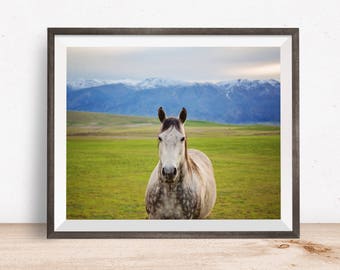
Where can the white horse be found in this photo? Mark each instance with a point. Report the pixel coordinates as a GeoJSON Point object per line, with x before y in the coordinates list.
{"type": "Point", "coordinates": [182, 185]}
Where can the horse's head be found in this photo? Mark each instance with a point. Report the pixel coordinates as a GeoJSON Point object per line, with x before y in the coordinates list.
{"type": "Point", "coordinates": [172, 145]}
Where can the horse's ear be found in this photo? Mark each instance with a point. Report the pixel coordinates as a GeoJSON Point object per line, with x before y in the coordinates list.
{"type": "Point", "coordinates": [183, 115]}
{"type": "Point", "coordinates": [161, 114]}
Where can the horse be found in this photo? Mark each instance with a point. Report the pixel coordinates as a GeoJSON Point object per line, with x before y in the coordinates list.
{"type": "Point", "coordinates": [182, 185]}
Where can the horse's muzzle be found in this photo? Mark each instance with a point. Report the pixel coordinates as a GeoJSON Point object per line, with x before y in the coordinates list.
{"type": "Point", "coordinates": [169, 174]}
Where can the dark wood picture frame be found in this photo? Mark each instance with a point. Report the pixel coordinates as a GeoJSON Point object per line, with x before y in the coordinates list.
{"type": "Point", "coordinates": [293, 32]}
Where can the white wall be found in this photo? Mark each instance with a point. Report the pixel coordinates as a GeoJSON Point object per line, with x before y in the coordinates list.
{"type": "Point", "coordinates": [23, 85]}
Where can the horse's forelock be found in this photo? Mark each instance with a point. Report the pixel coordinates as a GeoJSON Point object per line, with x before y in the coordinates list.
{"type": "Point", "coordinates": [171, 122]}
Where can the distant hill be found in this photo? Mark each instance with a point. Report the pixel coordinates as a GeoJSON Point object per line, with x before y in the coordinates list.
{"type": "Point", "coordinates": [91, 119]}
{"type": "Point", "coordinates": [238, 101]}
{"type": "Point", "coordinates": [93, 124]}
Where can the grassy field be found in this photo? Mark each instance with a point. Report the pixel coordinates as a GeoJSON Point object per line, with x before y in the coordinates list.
{"type": "Point", "coordinates": [110, 158]}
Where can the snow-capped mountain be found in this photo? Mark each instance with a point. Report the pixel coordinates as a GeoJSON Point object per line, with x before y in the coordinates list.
{"type": "Point", "coordinates": [148, 83]}
{"type": "Point", "coordinates": [151, 83]}
{"type": "Point", "coordinates": [83, 83]}
{"type": "Point", "coordinates": [249, 84]}
{"type": "Point", "coordinates": [236, 101]}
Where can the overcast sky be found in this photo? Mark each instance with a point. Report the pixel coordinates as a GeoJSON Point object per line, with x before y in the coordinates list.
{"type": "Point", "coordinates": [177, 63]}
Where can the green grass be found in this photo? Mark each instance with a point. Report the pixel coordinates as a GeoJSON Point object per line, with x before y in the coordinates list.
{"type": "Point", "coordinates": [110, 158]}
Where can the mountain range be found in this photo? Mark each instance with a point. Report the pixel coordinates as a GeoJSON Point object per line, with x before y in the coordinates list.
{"type": "Point", "coordinates": [236, 101]}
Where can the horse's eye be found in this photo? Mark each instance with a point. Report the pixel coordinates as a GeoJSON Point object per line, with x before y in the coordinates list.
{"type": "Point", "coordinates": [159, 138]}
{"type": "Point", "coordinates": [182, 139]}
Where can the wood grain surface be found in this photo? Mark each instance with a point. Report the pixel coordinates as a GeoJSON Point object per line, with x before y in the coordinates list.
{"type": "Point", "coordinates": [24, 246]}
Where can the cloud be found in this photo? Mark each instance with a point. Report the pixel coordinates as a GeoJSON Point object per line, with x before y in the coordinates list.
{"type": "Point", "coordinates": [258, 71]}
{"type": "Point", "coordinates": [181, 63]}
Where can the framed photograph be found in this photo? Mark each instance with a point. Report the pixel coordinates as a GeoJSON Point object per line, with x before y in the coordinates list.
{"type": "Point", "coordinates": [173, 133]}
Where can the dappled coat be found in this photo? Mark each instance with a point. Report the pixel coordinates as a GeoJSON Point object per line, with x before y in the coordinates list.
{"type": "Point", "coordinates": [182, 185]}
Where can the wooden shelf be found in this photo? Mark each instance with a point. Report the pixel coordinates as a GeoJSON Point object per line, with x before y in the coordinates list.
{"type": "Point", "coordinates": [24, 246]}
